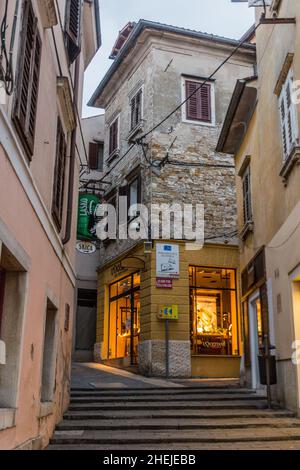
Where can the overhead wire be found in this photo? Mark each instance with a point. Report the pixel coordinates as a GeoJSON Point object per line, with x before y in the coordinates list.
{"type": "Point", "coordinates": [6, 70]}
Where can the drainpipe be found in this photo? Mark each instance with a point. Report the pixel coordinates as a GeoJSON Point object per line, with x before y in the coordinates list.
{"type": "Point", "coordinates": [72, 158]}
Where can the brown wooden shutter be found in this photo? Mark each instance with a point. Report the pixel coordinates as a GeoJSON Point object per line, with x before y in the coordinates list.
{"type": "Point", "coordinates": [2, 290]}
{"type": "Point", "coordinates": [73, 28]}
{"type": "Point", "coordinates": [59, 175]}
{"type": "Point", "coordinates": [93, 155]}
{"type": "Point", "coordinates": [113, 136]}
{"type": "Point", "coordinates": [247, 196]}
{"type": "Point", "coordinates": [199, 105]}
{"type": "Point", "coordinates": [133, 105]}
{"type": "Point", "coordinates": [26, 97]}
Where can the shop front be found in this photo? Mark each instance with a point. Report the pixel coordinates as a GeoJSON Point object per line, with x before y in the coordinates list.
{"type": "Point", "coordinates": [124, 320]}
{"type": "Point", "coordinates": [204, 338]}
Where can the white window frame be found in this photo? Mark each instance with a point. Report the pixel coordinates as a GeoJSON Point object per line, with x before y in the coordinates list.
{"type": "Point", "coordinates": [284, 124]}
{"type": "Point", "coordinates": [212, 100]}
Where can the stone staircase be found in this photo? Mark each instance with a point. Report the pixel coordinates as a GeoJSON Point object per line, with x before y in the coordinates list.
{"type": "Point", "coordinates": [172, 418]}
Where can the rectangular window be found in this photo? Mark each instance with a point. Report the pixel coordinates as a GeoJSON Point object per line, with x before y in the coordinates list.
{"type": "Point", "coordinates": [288, 116]}
{"type": "Point", "coordinates": [59, 175]}
{"type": "Point", "coordinates": [199, 106]}
{"type": "Point", "coordinates": [73, 28]}
{"type": "Point", "coordinates": [213, 306]}
{"type": "Point", "coordinates": [49, 355]}
{"type": "Point", "coordinates": [114, 136]}
{"type": "Point", "coordinates": [136, 109]}
{"type": "Point", "coordinates": [96, 155]}
{"type": "Point", "coordinates": [247, 204]}
{"type": "Point", "coordinates": [27, 86]}
{"type": "Point", "coordinates": [2, 291]}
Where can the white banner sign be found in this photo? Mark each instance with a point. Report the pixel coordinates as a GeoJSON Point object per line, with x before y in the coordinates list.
{"type": "Point", "coordinates": [167, 261]}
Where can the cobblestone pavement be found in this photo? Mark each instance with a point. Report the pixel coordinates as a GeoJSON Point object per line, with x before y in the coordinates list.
{"type": "Point", "coordinates": [112, 409]}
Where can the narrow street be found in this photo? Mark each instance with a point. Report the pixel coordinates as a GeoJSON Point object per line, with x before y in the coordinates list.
{"type": "Point", "coordinates": [113, 409]}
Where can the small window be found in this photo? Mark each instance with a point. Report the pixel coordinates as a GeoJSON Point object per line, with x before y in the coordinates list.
{"type": "Point", "coordinates": [59, 175]}
{"type": "Point", "coordinates": [114, 136]}
{"type": "Point", "coordinates": [288, 116]}
{"type": "Point", "coordinates": [27, 86]}
{"type": "Point", "coordinates": [200, 106]}
{"type": "Point", "coordinates": [247, 196]}
{"type": "Point", "coordinates": [96, 153]}
{"type": "Point", "coordinates": [136, 109]}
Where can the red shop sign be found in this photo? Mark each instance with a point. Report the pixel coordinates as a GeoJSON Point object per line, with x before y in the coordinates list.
{"type": "Point", "coordinates": [163, 283]}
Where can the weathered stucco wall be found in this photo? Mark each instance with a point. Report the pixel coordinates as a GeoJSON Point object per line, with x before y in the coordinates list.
{"type": "Point", "coordinates": [159, 65]}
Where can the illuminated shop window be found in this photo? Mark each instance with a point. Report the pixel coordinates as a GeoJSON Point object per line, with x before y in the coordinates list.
{"type": "Point", "coordinates": [213, 311]}
{"type": "Point", "coordinates": [124, 318]}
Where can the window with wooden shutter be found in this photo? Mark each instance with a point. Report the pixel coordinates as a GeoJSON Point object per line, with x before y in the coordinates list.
{"type": "Point", "coordinates": [73, 28]}
{"type": "Point", "coordinates": [26, 96]}
{"type": "Point", "coordinates": [114, 136]}
{"type": "Point", "coordinates": [96, 154]}
{"type": "Point", "coordinates": [199, 105]}
{"type": "Point", "coordinates": [59, 175]}
{"type": "Point", "coordinates": [247, 196]}
{"type": "Point", "coordinates": [2, 290]}
{"type": "Point", "coordinates": [136, 109]}
{"type": "Point", "coordinates": [288, 117]}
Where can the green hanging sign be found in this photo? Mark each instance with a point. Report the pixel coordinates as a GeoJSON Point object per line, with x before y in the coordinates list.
{"type": "Point", "coordinates": [86, 226]}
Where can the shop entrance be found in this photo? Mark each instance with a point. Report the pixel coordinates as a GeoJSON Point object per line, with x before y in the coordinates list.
{"type": "Point", "coordinates": [256, 337]}
{"type": "Point", "coordinates": [124, 319]}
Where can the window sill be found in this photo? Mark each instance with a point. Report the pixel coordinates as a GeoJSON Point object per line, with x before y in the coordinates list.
{"type": "Point", "coordinates": [46, 409]}
{"type": "Point", "coordinates": [292, 160]}
{"type": "Point", "coordinates": [115, 154]}
{"type": "Point", "coordinates": [7, 418]}
{"type": "Point", "coordinates": [135, 131]}
{"type": "Point", "coordinates": [199, 123]}
{"type": "Point", "coordinates": [248, 228]}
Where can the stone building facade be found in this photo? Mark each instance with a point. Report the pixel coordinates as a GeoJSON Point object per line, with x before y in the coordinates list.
{"type": "Point", "coordinates": [158, 65]}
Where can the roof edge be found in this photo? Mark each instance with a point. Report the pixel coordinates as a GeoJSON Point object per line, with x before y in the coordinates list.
{"type": "Point", "coordinates": [139, 28]}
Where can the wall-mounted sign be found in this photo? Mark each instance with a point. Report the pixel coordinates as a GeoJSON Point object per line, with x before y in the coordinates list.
{"type": "Point", "coordinates": [86, 226]}
{"type": "Point", "coordinates": [118, 269]}
{"type": "Point", "coordinates": [167, 261]}
{"type": "Point", "coordinates": [86, 248]}
{"type": "Point", "coordinates": [164, 283]}
{"type": "Point", "coordinates": [168, 312]}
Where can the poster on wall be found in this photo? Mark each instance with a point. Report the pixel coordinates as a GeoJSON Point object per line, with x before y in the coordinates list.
{"type": "Point", "coordinates": [86, 228]}
{"type": "Point", "coordinates": [167, 261]}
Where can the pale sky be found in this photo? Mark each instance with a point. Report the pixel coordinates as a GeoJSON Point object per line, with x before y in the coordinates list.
{"type": "Point", "coordinates": [211, 16]}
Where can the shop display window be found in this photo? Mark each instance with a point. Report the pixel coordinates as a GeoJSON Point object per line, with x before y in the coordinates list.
{"type": "Point", "coordinates": [213, 311]}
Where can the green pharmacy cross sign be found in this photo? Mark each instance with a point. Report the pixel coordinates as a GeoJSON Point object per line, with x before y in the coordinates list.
{"type": "Point", "coordinates": [86, 226]}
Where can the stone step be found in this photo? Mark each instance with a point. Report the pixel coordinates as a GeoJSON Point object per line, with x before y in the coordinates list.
{"type": "Point", "coordinates": [254, 445]}
{"type": "Point", "coordinates": [177, 423]}
{"type": "Point", "coordinates": [176, 436]}
{"type": "Point", "coordinates": [168, 388]}
{"type": "Point", "coordinates": [165, 398]}
{"type": "Point", "coordinates": [177, 414]}
{"type": "Point", "coordinates": [162, 392]}
{"type": "Point", "coordinates": [182, 405]}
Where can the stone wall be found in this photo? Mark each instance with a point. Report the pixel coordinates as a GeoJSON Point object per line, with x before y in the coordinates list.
{"type": "Point", "coordinates": [159, 66]}
{"type": "Point", "coordinates": [152, 358]}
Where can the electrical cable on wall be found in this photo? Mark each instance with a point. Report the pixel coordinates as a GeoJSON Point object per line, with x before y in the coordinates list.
{"type": "Point", "coordinates": [6, 58]}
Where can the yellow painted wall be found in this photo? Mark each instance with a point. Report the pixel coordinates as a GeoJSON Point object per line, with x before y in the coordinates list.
{"type": "Point", "coordinates": [152, 298]}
